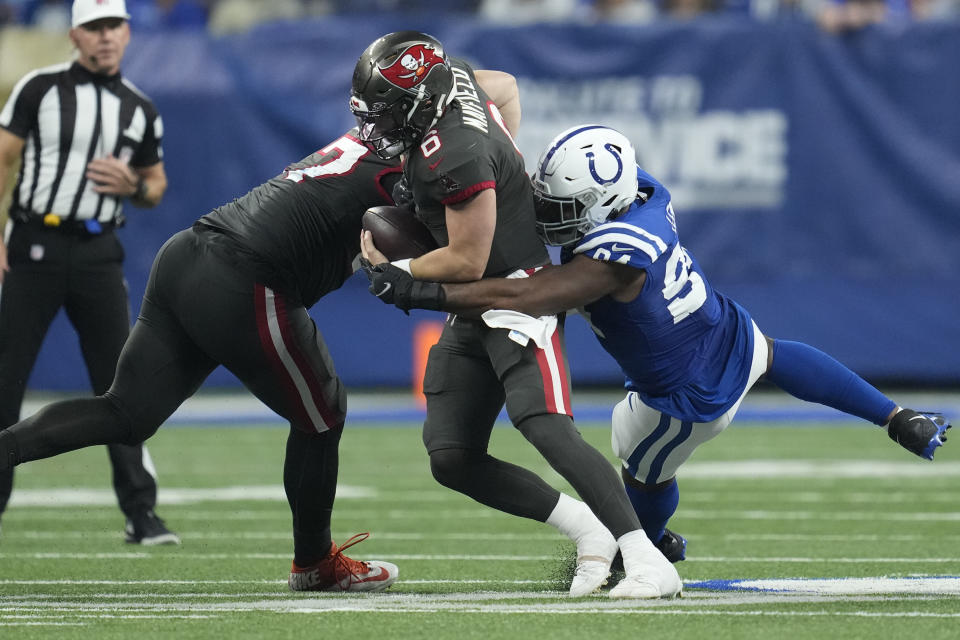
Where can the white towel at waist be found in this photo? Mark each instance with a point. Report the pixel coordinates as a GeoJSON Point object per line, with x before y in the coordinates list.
{"type": "Point", "coordinates": [523, 328]}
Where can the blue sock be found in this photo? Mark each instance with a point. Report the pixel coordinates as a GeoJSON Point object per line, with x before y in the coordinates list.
{"type": "Point", "coordinates": [654, 508]}
{"type": "Point", "coordinates": [812, 375]}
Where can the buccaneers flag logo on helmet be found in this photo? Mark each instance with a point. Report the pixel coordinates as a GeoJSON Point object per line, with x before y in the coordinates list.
{"type": "Point", "coordinates": [412, 66]}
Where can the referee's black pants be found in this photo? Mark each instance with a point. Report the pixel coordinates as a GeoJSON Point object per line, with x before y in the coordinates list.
{"type": "Point", "coordinates": [52, 269]}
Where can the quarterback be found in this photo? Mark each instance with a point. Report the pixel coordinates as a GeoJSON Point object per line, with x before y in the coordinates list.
{"type": "Point", "coordinates": [470, 188]}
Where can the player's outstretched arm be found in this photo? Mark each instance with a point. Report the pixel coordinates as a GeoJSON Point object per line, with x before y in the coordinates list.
{"type": "Point", "coordinates": [551, 290]}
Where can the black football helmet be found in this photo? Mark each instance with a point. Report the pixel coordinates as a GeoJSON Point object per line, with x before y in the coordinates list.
{"type": "Point", "coordinates": [400, 86]}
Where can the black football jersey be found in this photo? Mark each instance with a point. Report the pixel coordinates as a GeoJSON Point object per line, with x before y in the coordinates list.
{"type": "Point", "coordinates": [470, 150]}
{"type": "Point", "coordinates": [300, 231]}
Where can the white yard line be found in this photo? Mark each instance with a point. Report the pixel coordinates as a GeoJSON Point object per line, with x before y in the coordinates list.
{"type": "Point", "coordinates": [481, 513]}
{"type": "Point", "coordinates": [379, 536]}
{"type": "Point", "coordinates": [167, 496]}
{"type": "Point", "coordinates": [169, 555]}
{"type": "Point", "coordinates": [844, 515]}
{"type": "Point", "coordinates": [175, 554]}
{"type": "Point", "coordinates": [74, 610]}
{"type": "Point", "coordinates": [286, 535]}
{"type": "Point", "coordinates": [819, 469]}
{"type": "Point", "coordinates": [556, 602]}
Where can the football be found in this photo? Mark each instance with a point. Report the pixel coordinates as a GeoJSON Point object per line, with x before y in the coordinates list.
{"type": "Point", "coordinates": [397, 232]}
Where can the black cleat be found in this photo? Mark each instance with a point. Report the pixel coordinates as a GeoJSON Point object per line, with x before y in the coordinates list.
{"type": "Point", "coordinates": [919, 432]}
{"type": "Point", "coordinates": [672, 545]}
{"type": "Point", "coordinates": [147, 529]}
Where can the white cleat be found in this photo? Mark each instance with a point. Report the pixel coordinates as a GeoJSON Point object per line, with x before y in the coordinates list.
{"type": "Point", "coordinates": [649, 586]}
{"type": "Point", "coordinates": [649, 573]}
{"type": "Point", "coordinates": [595, 553]}
{"type": "Point", "coordinates": [639, 587]}
{"type": "Point", "coordinates": [590, 576]}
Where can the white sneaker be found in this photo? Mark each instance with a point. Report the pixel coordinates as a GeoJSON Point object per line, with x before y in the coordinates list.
{"type": "Point", "coordinates": [648, 572]}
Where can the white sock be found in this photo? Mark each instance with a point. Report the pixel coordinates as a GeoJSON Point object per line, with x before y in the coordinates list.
{"type": "Point", "coordinates": [635, 547]}
{"type": "Point", "coordinates": [570, 517]}
{"type": "Point", "coordinates": [575, 520]}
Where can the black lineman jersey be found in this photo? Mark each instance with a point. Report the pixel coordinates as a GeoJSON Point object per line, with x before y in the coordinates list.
{"type": "Point", "coordinates": [68, 116]}
{"type": "Point", "coordinates": [470, 150]}
{"type": "Point", "coordinates": [300, 231]}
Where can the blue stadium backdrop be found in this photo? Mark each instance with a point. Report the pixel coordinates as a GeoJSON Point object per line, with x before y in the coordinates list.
{"type": "Point", "coordinates": [816, 178]}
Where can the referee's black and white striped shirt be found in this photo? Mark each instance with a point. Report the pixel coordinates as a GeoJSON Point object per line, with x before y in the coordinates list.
{"type": "Point", "coordinates": [68, 116]}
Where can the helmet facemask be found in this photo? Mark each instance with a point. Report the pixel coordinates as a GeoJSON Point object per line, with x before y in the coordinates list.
{"type": "Point", "coordinates": [585, 176]}
{"type": "Point", "coordinates": [561, 220]}
{"type": "Point", "coordinates": [387, 128]}
{"type": "Point", "coordinates": [400, 85]}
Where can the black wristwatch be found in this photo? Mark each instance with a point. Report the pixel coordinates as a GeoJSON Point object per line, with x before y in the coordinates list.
{"type": "Point", "coordinates": [141, 191]}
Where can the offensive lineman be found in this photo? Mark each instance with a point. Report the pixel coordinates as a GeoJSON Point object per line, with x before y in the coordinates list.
{"type": "Point", "coordinates": [689, 353]}
{"type": "Point", "coordinates": [234, 290]}
{"type": "Point", "coordinates": [470, 188]}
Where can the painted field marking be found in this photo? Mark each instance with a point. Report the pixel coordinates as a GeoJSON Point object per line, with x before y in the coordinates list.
{"type": "Point", "coordinates": [59, 610]}
{"type": "Point", "coordinates": [286, 535]}
{"type": "Point", "coordinates": [33, 623]}
{"type": "Point", "coordinates": [926, 585]}
{"type": "Point", "coordinates": [871, 498]}
{"type": "Point", "coordinates": [832, 537]}
{"type": "Point", "coordinates": [532, 603]}
{"type": "Point", "coordinates": [746, 469]}
{"type": "Point", "coordinates": [167, 496]}
{"type": "Point", "coordinates": [173, 554]}
{"type": "Point", "coordinates": [840, 516]}
{"type": "Point", "coordinates": [480, 513]}
{"type": "Point", "coordinates": [320, 600]}
{"type": "Point", "coordinates": [696, 592]}
{"type": "Point", "coordinates": [31, 534]}
{"type": "Point", "coordinates": [753, 469]}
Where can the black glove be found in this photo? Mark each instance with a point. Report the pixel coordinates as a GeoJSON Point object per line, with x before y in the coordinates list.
{"type": "Point", "coordinates": [403, 194]}
{"type": "Point", "coordinates": [395, 286]}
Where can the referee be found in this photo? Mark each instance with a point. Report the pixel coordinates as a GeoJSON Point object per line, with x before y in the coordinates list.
{"type": "Point", "coordinates": [87, 139]}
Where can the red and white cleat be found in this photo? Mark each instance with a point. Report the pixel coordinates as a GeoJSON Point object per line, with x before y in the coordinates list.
{"type": "Point", "coordinates": [337, 572]}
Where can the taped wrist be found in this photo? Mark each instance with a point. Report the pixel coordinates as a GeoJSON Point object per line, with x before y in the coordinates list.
{"type": "Point", "coordinates": [421, 295]}
{"type": "Point", "coordinates": [403, 264]}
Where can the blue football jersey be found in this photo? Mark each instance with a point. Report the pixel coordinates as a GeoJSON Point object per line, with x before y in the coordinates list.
{"type": "Point", "coordinates": [683, 347]}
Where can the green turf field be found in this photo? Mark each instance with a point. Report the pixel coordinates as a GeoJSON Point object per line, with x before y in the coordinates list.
{"type": "Point", "coordinates": [829, 501]}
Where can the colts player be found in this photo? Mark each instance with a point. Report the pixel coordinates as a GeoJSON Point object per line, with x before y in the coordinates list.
{"type": "Point", "coordinates": [689, 353]}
